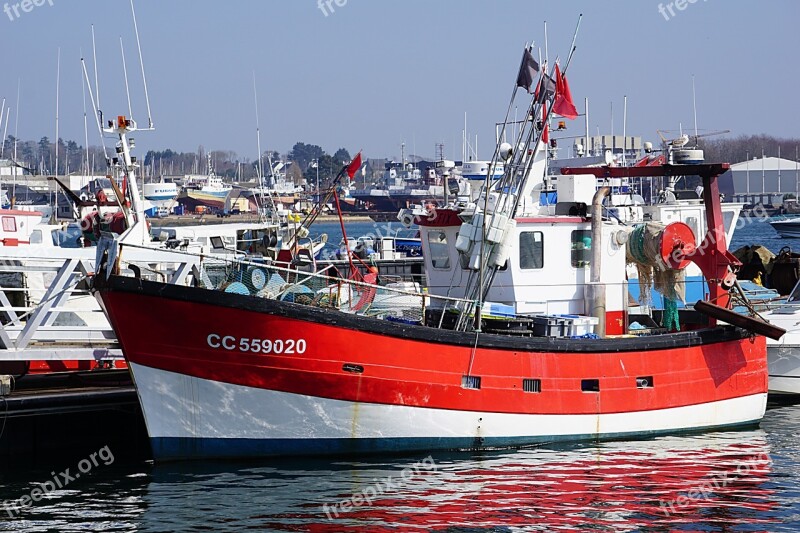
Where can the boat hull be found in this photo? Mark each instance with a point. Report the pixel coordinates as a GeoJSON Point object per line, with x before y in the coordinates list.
{"type": "Point", "coordinates": [332, 383]}
{"type": "Point", "coordinates": [210, 199]}
{"type": "Point", "coordinates": [788, 229]}
{"type": "Point", "coordinates": [193, 418]}
{"type": "Point", "coordinates": [784, 368]}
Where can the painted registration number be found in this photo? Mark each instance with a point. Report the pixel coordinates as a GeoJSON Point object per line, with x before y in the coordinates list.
{"type": "Point", "coordinates": [245, 344]}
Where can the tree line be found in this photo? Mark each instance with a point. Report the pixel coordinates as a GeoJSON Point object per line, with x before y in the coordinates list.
{"type": "Point", "coordinates": [745, 147]}
{"type": "Point", "coordinates": [307, 161]}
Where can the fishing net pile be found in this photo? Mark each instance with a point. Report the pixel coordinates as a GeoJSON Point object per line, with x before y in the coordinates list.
{"type": "Point", "coordinates": [644, 251]}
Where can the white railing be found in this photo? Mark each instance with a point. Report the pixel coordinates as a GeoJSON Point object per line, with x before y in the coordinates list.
{"type": "Point", "coordinates": [47, 311]}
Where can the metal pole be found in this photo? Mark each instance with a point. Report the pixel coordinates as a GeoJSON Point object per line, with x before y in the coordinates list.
{"type": "Point", "coordinates": [586, 113]}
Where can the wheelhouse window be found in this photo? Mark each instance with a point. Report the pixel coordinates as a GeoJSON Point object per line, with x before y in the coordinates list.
{"type": "Point", "coordinates": [581, 248]}
{"type": "Point", "coordinates": [531, 250]}
{"type": "Point", "coordinates": [9, 224]}
{"type": "Point", "coordinates": [440, 254]}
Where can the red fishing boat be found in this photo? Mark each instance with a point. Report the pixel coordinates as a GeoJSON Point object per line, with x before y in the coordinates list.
{"type": "Point", "coordinates": [524, 336]}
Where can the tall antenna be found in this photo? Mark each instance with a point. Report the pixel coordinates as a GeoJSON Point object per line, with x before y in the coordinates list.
{"type": "Point", "coordinates": [258, 133]}
{"type": "Point", "coordinates": [546, 49]}
{"type": "Point", "coordinates": [624, 127]}
{"type": "Point", "coordinates": [612, 124]}
{"type": "Point", "coordinates": [85, 128]}
{"type": "Point", "coordinates": [5, 131]}
{"type": "Point", "coordinates": [96, 78]}
{"type": "Point", "coordinates": [16, 140]}
{"type": "Point", "coordinates": [586, 124]}
{"type": "Point", "coordinates": [2, 112]}
{"type": "Point", "coordinates": [464, 140]}
{"type": "Point", "coordinates": [141, 62]}
{"type": "Point", "coordinates": [58, 83]}
{"type": "Point", "coordinates": [125, 72]}
{"type": "Point", "coordinates": [694, 107]}
{"type": "Point", "coordinates": [98, 114]}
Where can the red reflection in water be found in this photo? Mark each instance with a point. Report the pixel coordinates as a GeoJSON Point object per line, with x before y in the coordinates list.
{"type": "Point", "coordinates": [715, 480]}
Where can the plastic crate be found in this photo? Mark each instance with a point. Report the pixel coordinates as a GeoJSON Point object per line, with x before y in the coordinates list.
{"type": "Point", "coordinates": [497, 309]}
{"type": "Point", "coordinates": [549, 326]}
{"type": "Point", "coordinates": [578, 325]}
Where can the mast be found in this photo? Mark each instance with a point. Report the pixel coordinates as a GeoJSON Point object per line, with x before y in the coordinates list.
{"type": "Point", "coordinates": [694, 109]}
{"type": "Point", "coordinates": [518, 162]}
{"type": "Point", "coordinates": [125, 73]}
{"type": "Point", "coordinates": [586, 119]}
{"type": "Point", "coordinates": [58, 83]}
{"type": "Point", "coordinates": [141, 62]}
{"type": "Point", "coordinates": [2, 140]}
{"type": "Point", "coordinates": [96, 78]}
{"type": "Point", "coordinates": [624, 127]}
{"type": "Point", "coordinates": [5, 131]}
{"type": "Point", "coordinates": [98, 114]}
{"type": "Point", "coordinates": [16, 140]}
{"type": "Point", "coordinates": [258, 134]}
{"type": "Point", "coordinates": [85, 129]}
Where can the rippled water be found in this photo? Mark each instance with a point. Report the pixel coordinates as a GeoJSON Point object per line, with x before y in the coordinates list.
{"type": "Point", "coordinates": [726, 481]}
{"type": "Point", "coordinates": [755, 230]}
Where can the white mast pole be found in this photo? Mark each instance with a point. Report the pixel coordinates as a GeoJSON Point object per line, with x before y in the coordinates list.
{"type": "Point", "coordinates": [16, 140]}
{"type": "Point", "coordinates": [98, 112]}
{"type": "Point", "coordinates": [258, 134]}
{"type": "Point", "coordinates": [85, 129]}
{"type": "Point", "coordinates": [624, 127]}
{"type": "Point", "coordinates": [5, 131]}
{"type": "Point", "coordinates": [96, 79]}
{"type": "Point", "coordinates": [58, 83]}
{"type": "Point", "coordinates": [141, 62]}
{"type": "Point", "coordinates": [125, 73]}
{"type": "Point", "coordinates": [586, 117]}
{"type": "Point", "coordinates": [2, 112]}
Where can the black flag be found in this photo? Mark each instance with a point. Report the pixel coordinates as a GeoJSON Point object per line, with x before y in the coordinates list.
{"type": "Point", "coordinates": [527, 71]}
{"type": "Point", "coordinates": [545, 90]}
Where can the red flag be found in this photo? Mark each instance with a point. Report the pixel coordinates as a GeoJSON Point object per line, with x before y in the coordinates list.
{"type": "Point", "coordinates": [563, 104]}
{"type": "Point", "coordinates": [354, 165]}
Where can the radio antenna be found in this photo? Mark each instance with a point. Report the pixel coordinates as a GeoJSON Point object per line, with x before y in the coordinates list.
{"type": "Point", "coordinates": [58, 83]}
{"type": "Point", "coordinates": [141, 62]}
{"type": "Point", "coordinates": [97, 115]}
{"type": "Point", "coordinates": [125, 72]}
{"type": "Point", "coordinates": [96, 78]}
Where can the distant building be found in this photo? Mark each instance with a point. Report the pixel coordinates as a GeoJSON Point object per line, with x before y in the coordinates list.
{"type": "Point", "coordinates": [7, 169]}
{"type": "Point", "coordinates": [763, 180]}
{"type": "Point", "coordinates": [598, 144]}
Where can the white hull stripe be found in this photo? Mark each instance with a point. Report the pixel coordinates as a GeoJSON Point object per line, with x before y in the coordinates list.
{"type": "Point", "coordinates": [189, 417]}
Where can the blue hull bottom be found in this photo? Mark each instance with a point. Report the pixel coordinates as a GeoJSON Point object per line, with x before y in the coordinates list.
{"type": "Point", "coordinates": [177, 448]}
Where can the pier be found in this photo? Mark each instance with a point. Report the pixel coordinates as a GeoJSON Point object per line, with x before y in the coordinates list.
{"type": "Point", "coordinates": [64, 383]}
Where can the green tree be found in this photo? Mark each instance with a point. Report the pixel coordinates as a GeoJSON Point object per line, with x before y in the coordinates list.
{"type": "Point", "coordinates": [45, 151]}
{"type": "Point", "coordinates": [302, 154]}
{"type": "Point", "coordinates": [342, 156]}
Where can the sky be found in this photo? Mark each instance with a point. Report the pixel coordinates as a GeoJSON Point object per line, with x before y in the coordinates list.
{"type": "Point", "coordinates": [372, 74]}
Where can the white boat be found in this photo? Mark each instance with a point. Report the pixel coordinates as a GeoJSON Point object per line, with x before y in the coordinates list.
{"type": "Point", "coordinates": [784, 355]}
{"type": "Point", "coordinates": [210, 192]}
{"type": "Point", "coordinates": [788, 228]}
{"type": "Point", "coordinates": [160, 192]}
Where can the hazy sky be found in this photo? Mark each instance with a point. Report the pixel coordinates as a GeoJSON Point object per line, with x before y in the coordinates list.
{"type": "Point", "coordinates": [374, 73]}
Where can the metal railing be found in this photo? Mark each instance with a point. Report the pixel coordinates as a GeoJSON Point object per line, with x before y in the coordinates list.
{"type": "Point", "coordinates": [46, 310]}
